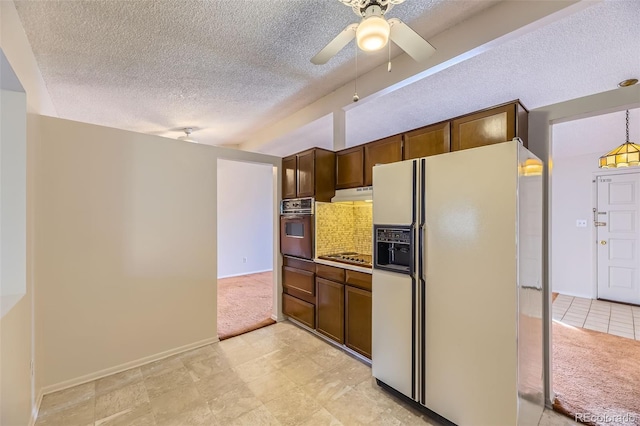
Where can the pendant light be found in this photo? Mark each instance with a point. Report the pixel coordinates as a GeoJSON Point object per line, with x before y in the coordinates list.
{"type": "Point", "coordinates": [626, 155]}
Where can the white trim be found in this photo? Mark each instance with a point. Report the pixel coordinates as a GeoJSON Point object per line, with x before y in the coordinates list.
{"type": "Point", "coordinates": [126, 366]}
{"type": "Point", "coordinates": [541, 121]}
{"type": "Point", "coordinates": [594, 240]}
{"type": "Point", "coordinates": [35, 410]}
{"type": "Point", "coordinates": [278, 318]}
{"type": "Point", "coordinates": [245, 273]}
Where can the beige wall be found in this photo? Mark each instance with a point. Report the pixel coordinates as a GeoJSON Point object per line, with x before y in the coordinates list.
{"type": "Point", "coordinates": [126, 248]}
{"type": "Point", "coordinates": [16, 341]}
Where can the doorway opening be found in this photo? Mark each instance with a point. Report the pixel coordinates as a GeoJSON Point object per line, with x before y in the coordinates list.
{"type": "Point", "coordinates": [245, 247]}
{"type": "Point", "coordinates": [595, 272]}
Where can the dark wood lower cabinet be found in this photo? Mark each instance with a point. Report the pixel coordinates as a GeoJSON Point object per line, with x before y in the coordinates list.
{"type": "Point", "coordinates": [338, 305]}
{"type": "Point", "coordinates": [330, 309]}
{"type": "Point", "coordinates": [299, 310]}
{"type": "Point", "coordinates": [358, 320]}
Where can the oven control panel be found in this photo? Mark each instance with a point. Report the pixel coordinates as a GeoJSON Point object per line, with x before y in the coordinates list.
{"type": "Point", "coordinates": [297, 206]}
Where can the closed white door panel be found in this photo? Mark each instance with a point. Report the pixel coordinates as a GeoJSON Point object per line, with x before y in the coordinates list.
{"type": "Point", "coordinates": [391, 360]}
{"type": "Point", "coordinates": [618, 237]}
{"type": "Point", "coordinates": [393, 193]}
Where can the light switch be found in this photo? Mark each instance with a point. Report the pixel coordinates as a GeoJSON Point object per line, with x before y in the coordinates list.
{"type": "Point", "coordinates": [581, 223]}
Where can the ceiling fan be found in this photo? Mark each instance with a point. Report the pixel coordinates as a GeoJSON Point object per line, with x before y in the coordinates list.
{"type": "Point", "coordinates": [374, 32]}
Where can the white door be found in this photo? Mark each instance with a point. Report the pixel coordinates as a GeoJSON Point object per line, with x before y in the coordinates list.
{"type": "Point", "coordinates": [618, 237]}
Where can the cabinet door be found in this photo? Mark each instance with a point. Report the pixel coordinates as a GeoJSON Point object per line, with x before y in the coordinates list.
{"type": "Point", "coordinates": [289, 177]}
{"type": "Point", "coordinates": [349, 164]}
{"type": "Point", "coordinates": [430, 140]}
{"type": "Point", "coordinates": [330, 309]}
{"type": "Point", "coordinates": [388, 150]}
{"type": "Point", "coordinates": [306, 174]}
{"type": "Point", "coordinates": [484, 128]}
{"type": "Point", "coordinates": [358, 320]}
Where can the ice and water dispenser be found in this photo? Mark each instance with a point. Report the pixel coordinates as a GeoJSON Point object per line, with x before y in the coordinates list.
{"type": "Point", "coordinates": [393, 249]}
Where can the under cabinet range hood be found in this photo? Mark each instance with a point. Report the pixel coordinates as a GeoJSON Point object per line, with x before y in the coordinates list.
{"type": "Point", "coordinates": [364, 193]}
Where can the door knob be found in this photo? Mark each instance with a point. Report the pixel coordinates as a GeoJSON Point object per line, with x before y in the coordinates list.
{"type": "Point", "coordinates": [603, 242]}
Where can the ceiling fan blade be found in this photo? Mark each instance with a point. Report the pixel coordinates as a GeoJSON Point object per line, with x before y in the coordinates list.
{"type": "Point", "coordinates": [335, 45]}
{"type": "Point", "coordinates": [410, 41]}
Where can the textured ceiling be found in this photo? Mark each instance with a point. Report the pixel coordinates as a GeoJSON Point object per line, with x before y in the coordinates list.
{"type": "Point", "coordinates": [226, 67]}
{"type": "Point", "coordinates": [598, 134]}
{"type": "Point", "coordinates": [586, 53]}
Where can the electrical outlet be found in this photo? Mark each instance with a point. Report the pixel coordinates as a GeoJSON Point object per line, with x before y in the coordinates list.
{"type": "Point", "coordinates": [244, 260]}
{"type": "Point", "coordinates": [581, 223]}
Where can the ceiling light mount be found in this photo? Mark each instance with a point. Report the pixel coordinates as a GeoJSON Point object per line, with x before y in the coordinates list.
{"type": "Point", "coordinates": [360, 7]}
{"type": "Point", "coordinates": [628, 82]}
{"type": "Point", "coordinates": [187, 135]}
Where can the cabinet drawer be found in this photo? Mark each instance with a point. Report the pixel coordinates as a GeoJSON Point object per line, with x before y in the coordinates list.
{"type": "Point", "coordinates": [359, 279]}
{"type": "Point", "coordinates": [305, 265]}
{"type": "Point", "coordinates": [299, 310]}
{"type": "Point", "coordinates": [299, 283]}
{"type": "Point", "coordinates": [330, 272]}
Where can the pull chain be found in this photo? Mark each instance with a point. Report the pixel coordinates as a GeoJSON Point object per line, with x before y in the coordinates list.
{"type": "Point", "coordinates": [356, 98]}
{"type": "Point", "coordinates": [627, 125]}
{"type": "Point", "coordinates": [389, 66]}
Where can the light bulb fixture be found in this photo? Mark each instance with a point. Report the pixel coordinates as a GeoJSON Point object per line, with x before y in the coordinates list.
{"type": "Point", "coordinates": [373, 32]}
{"type": "Point", "coordinates": [626, 155]}
{"type": "Point", "coordinates": [531, 167]}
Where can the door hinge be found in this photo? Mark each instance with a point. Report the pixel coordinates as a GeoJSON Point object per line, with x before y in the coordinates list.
{"type": "Point", "coordinates": [601, 224]}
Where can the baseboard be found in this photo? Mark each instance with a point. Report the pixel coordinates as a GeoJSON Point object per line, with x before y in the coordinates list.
{"type": "Point", "coordinates": [36, 409]}
{"type": "Point", "coordinates": [245, 273]}
{"type": "Point", "coordinates": [278, 318]}
{"type": "Point", "coordinates": [126, 366]}
{"type": "Point", "coordinates": [571, 294]}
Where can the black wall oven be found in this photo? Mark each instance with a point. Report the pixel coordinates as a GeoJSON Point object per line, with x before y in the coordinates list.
{"type": "Point", "coordinates": [296, 227]}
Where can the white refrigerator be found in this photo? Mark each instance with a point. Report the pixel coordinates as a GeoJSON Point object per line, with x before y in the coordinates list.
{"type": "Point", "coordinates": [457, 284]}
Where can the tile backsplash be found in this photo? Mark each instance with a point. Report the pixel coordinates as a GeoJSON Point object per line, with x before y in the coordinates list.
{"type": "Point", "coordinates": [363, 228]}
{"type": "Point", "coordinates": [343, 227]}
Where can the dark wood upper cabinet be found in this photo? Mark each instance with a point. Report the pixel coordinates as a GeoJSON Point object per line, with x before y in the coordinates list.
{"type": "Point", "coordinates": [310, 173]}
{"type": "Point", "coordinates": [426, 141]}
{"type": "Point", "coordinates": [349, 168]}
{"type": "Point", "coordinates": [358, 320]}
{"type": "Point", "coordinates": [388, 150]}
{"type": "Point", "coordinates": [306, 174]}
{"type": "Point", "coordinates": [495, 125]}
{"type": "Point", "coordinates": [289, 177]}
{"type": "Point", "coordinates": [330, 309]}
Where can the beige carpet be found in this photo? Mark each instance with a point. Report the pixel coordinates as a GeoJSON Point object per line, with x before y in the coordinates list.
{"type": "Point", "coordinates": [596, 373]}
{"type": "Point", "coordinates": [244, 304]}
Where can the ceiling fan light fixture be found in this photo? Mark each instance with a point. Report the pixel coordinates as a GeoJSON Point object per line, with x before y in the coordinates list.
{"type": "Point", "coordinates": [373, 33]}
{"type": "Point", "coordinates": [187, 135]}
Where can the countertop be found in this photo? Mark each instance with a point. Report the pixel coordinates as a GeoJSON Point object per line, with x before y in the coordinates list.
{"type": "Point", "coordinates": [344, 266]}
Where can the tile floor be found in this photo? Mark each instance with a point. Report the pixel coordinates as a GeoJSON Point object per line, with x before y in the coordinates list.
{"type": "Point", "coordinates": [277, 375]}
{"type": "Point", "coordinates": [606, 317]}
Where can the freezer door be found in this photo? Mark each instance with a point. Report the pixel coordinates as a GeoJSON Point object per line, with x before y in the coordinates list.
{"type": "Point", "coordinates": [394, 187]}
{"type": "Point", "coordinates": [392, 351]}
